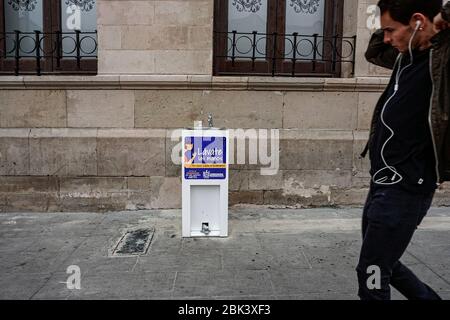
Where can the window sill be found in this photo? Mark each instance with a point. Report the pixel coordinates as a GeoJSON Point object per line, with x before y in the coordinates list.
{"type": "Point", "coordinates": [191, 82]}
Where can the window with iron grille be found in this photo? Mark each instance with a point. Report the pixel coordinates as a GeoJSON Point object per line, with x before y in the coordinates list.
{"type": "Point", "coordinates": [48, 37]}
{"type": "Point", "coordinates": [281, 38]}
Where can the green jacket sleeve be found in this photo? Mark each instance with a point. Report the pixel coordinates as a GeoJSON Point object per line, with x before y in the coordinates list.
{"type": "Point", "coordinates": [379, 53]}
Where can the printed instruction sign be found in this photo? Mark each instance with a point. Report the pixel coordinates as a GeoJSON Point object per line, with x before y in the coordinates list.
{"type": "Point", "coordinates": [204, 158]}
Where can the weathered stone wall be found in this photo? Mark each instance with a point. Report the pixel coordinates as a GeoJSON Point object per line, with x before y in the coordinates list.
{"type": "Point", "coordinates": [362, 67]}
{"type": "Point", "coordinates": [176, 36]}
{"type": "Point", "coordinates": [109, 147]}
{"type": "Point", "coordinates": [104, 142]}
{"type": "Point", "coordinates": [155, 37]}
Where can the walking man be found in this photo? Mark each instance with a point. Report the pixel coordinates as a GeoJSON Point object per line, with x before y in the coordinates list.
{"type": "Point", "coordinates": [409, 142]}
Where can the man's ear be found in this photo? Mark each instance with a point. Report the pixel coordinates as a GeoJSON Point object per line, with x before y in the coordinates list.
{"type": "Point", "coordinates": [418, 20]}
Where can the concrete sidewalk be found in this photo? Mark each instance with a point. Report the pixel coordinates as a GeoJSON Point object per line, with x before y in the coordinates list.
{"type": "Point", "coordinates": [270, 254]}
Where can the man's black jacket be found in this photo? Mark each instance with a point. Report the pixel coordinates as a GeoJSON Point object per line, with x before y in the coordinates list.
{"type": "Point", "coordinates": [385, 55]}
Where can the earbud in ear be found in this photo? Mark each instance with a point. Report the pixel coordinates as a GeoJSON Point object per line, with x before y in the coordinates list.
{"type": "Point", "coordinates": [418, 23]}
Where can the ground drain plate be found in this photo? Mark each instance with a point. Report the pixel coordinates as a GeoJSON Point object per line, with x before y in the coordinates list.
{"type": "Point", "coordinates": [134, 242]}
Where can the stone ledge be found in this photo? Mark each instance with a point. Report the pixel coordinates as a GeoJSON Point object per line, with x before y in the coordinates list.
{"type": "Point", "coordinates": [154, 81]}
{"type": "Point", "coordinates": [63, 133]}
{"type": "Point", "coordinates": [285, 134]}
{"type": "Point", "coordinates": [281, 83]}
{"type": "Point", "coordinates": [11, 82]}
{"type": "Point", "coordinates": [14, 133]}
{"type": "Point", "coordinates": [131, 133]}
{"type": "Point", "coordinates": [190, 82]}
{"type": "Point", "coordinates": [310, 134]}
{"type": "Point", "coordinates": [72, 82]}
{"type": "Point", "coordinates": [371, 83]}
{"type": "Point", "coordinates": [81, 133]}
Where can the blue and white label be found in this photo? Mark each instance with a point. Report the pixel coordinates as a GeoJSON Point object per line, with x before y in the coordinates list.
{"type": "Point", "coordinates": [204, 158]}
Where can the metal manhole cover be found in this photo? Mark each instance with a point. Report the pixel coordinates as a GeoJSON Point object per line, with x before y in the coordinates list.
{"type": "Point", "coordinates": [134, 242]}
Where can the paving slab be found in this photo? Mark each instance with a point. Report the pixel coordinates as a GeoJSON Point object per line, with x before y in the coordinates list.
{"type": "Point", "coordinates": [270, 254]}
{"type": "Point", "coordinates": [224, 283]}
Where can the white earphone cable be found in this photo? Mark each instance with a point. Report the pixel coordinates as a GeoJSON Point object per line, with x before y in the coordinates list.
{"type": "Point", "coordinates": [393, 180]}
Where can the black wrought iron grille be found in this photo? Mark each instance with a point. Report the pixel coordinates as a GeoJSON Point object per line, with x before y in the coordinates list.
{"type": "Point", "coordinates": [284, 53]}
{"type": "Point", "coordinates": [20, 49]}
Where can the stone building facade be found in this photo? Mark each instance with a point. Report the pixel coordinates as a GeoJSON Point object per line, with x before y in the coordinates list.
{"type": "Point", "coordinates": [103, 142]}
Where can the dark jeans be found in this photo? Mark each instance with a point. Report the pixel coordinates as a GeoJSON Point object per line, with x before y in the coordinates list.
{"type": "Point", "coordinates": [390, 217]}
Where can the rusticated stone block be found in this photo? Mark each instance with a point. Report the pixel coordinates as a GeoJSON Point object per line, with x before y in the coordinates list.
{"type": "Point", "coordinates": [109, 202]}
{"type": "Point", "coordinates": [256, 181]}
{"type": "Point", "coordinates": [173, 153]}
{"type": "Point", "coordinates": [183, 61]}
{"type": "Point", "coordinates": [28, 185]}
{"type": "Point", "coordinates": [92, 194]}
{"type": "Point", "coordinates": [366, 104]}
{"type": "Point", "coordinates": [154, 193]}
{"type": "Point", "coordinates": [131, 153]}
{"type": "Point", "coordinates": [249, 148]}
{"type": "Point", "coordinates": [246, 109]}
{"type": "Point", "coordinates": [310, 179]}
{"type": "Point", "coordinates": [138, 184]}
{"type": "Point", "coordinates": [109, 37]}
{"type": "Point", "coordinates": [150, 37]}
{"type": "Point", "coordinates": [361, 166]}
{"type": "Point", "coordinates": [91, 186]}
{"type": "Point", "coordinates": [349, 197]}
{"type": "Point", "coordinates": [321, 110]}
{"type": "Point", "coordinates": [125, 62]}
{"type": "Point", "coordinates": [280, 198]}
{"type": "Point", "coordinates": [316, 150]}
{"type": "Point", "coordinates": [238, 180]}
{"type": "Point", "coordinates": [3, 206]}
{"type": "Point", "coordinates": [200, 38]}
{"type": "Point", "coordinates": [63, 152]}
{"type": "Point", "coordinates": [120, 12]}
{"type": "Point", "coordinates": [14, 154]}
{"type": "Point", "coordinates": [166, 108]}
{"type": "Point", "coordinates": [34, 202]}
{"type": "Point", "coordinates": [192, 13]}
{"type": "Point", "coordinates": [32, 108]}
{"type": "Point", "coordinates": [165, 193]}
{"type": "Point", "coordinates": [100, 108]}
{"type": "Point", "coordinates": [245, 197]}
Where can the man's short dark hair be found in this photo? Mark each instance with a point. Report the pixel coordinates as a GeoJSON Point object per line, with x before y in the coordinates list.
{"type": "Point", "coordinates": [403, 10]}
